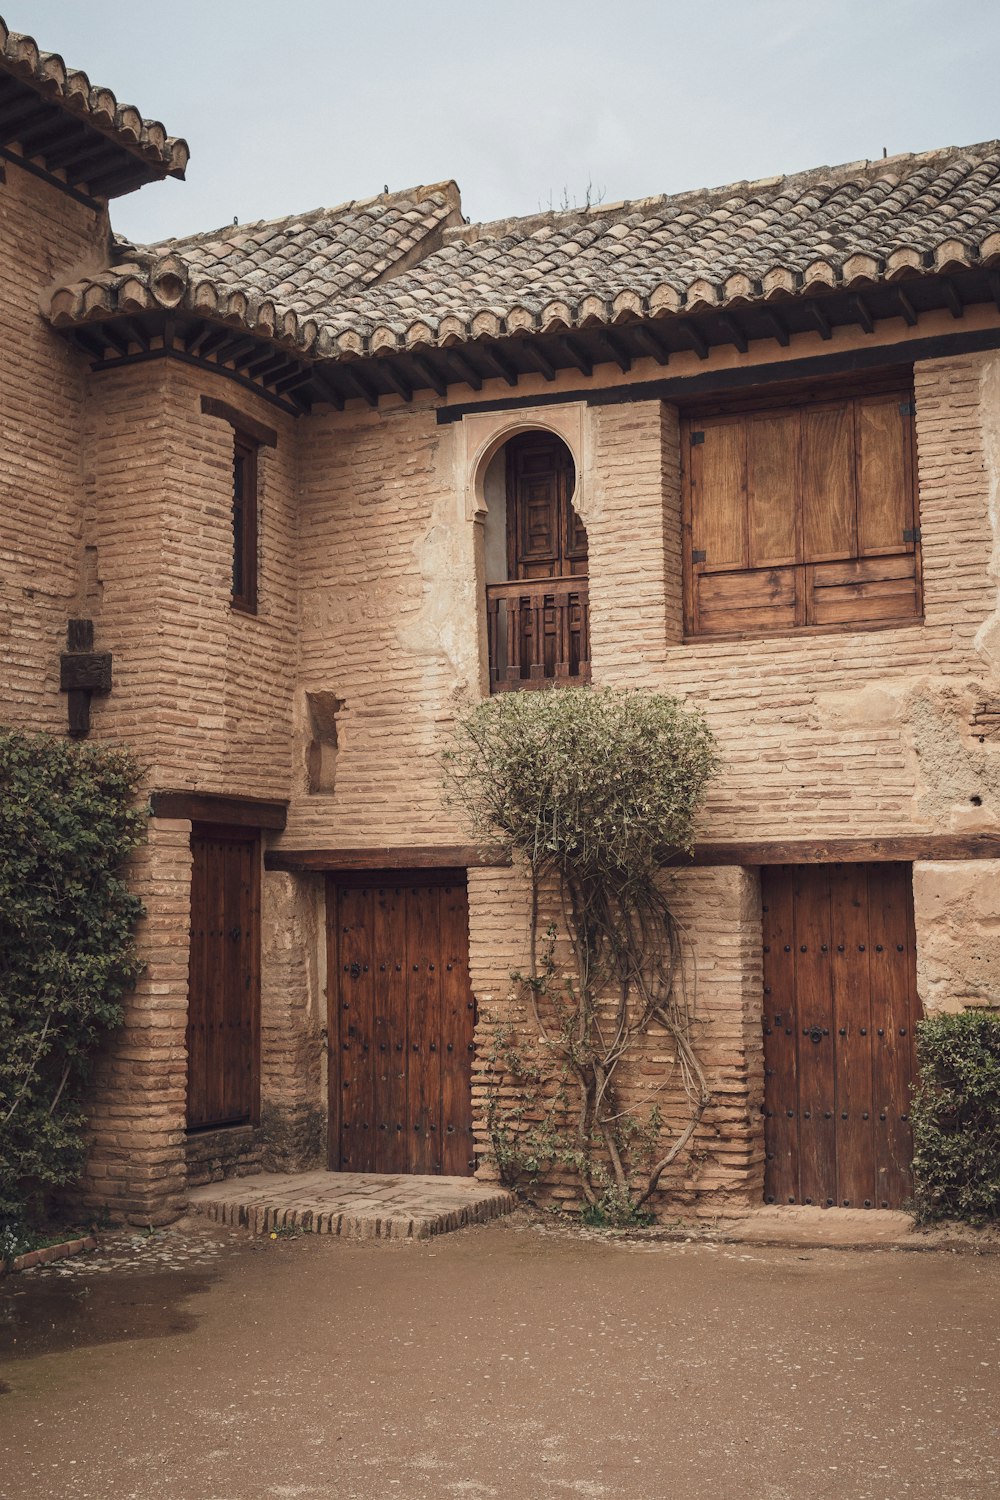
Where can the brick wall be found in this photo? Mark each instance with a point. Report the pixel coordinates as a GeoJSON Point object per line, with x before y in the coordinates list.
{"type": "Point", "coordinates": [135, 1163]}
{"type": "Point", "coordinates": [41, 396]}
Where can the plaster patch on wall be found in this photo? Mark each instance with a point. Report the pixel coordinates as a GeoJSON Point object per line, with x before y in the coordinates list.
{"type": "Point", "coordinates": [444, 624]}
{"type": "Point", "coordinates": [958, 933]}
{"type": "Point", "coordinates": [987, 640]}
{"type": "Point", "coordinates": [323, 743]}
{"type": "Point", "coordinates": [959, 782]}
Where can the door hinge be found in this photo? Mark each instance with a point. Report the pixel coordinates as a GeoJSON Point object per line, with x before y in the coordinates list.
{"type": "Point", "coordinates": [696, 438]}
{"type": "Point", "coordinates": [911, 533]}
{"type": "Point", "coordinates": [907, 408]}
{"type": "Point", "coordinates": [697, 555]}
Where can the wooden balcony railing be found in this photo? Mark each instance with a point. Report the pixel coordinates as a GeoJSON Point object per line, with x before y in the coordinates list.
{"type": "Point", "coordinates": [539, 633]}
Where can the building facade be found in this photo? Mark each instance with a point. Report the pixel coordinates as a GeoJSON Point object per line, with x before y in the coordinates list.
{"type": "Point", "coordinates": [310, 483]}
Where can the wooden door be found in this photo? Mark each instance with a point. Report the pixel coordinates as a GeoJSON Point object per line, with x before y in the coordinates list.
{"type": "Point", "coordinates": [223, 979]}
{"type": "Point", "coordinates": [545, 536]}
{"type": "Point", "coordinates": [840, 1006]}
{"type": "Point", "coordinates": [401, 1024]}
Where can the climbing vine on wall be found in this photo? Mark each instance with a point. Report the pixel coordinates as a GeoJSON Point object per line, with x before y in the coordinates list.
{"type": "Point", "coordinates": [595, 792]}
{"type": "Point", "coordinates": [69, 816]}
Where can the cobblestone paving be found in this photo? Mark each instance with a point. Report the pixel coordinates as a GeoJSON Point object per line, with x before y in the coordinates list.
{"type": "Point", "coordinates": [354, 1205]}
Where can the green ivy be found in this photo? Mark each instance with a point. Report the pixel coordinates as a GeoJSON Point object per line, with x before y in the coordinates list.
{"type": "Point", "coordinates": [69, 817]}
{"type": "Point", "coordinates": [956, 1118]}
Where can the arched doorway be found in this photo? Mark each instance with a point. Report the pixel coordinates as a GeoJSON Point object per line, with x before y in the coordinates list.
{"type": "Point", "coordinates": [536, 551]}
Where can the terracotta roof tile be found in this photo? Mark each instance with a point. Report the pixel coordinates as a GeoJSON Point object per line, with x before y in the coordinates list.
{"type": "Point", "coordinates": [342, 282]}
{"type": "Point", "coordinates": [72, 90]}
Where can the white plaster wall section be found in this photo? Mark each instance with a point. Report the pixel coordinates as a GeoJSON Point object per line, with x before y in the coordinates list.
{"type": "Point", "coordinates": [445, 625]}
{"type": "Point", "coordinates": [987, 641]}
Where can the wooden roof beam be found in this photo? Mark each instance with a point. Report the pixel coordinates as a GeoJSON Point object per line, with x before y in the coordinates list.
{"type": "Point", "coordinates": [468, 371]}
{"type": "Point", "coordinates": [734, 332]}
{"type": "Point", "coordinates": [267, 365]}
{"type": "Point", "coordinates": [361, 385]}
{"type": "Point", "coordinates": [577, 355]}
{"type": "Point", "coordinates": [619, 353]}
{"type": "Point", "coordinates": [695, 337]}
{"type": "Point", "coordinates": [328, 391]}
{"type": "Point", "coordinates": [498, 364]}
{"type": "Point", "coordinates": [430, 373]}
{"type": "Point", "coordinates": [538, 359]}
{"type": "Point", "coordinates": [906, 308]}
{"type": "Point", "coordinates": [292, 381]}
{"type": "Point", "coordinates": [210, 341]}
{"type": "Point", "coordinates": [777, 327]}
{"type": "Point", "coordinates": [240, 353]}
{"type": "Point", "coordinates": [647, 339]}
{"type": "Point", "coordinates": [952, 300]}
{"type": "Point", "coordinates": [137, 334]}
{"type": "Point", "coordinates": [862, 312]}
{"type": "Point", "coordinates": [820, 319]}
{"type": "Point", "coordinates": [388, 371]}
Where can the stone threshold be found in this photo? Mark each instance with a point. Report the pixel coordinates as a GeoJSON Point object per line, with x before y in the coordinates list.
{"type": "Point", "coordinates": [352, 1205]}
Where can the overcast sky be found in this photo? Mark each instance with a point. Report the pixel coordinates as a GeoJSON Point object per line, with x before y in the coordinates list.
{"type": "Point", "coordinates": [290, 106]}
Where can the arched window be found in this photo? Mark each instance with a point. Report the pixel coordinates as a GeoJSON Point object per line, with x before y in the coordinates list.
{"type": "Point", "coordinates": [536, 566]}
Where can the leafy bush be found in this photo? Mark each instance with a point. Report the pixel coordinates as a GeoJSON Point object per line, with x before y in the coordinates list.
{"type": "Point", "coordinates": [956, 1117]}
{"type": "Point", "coordinates": [68, 818]}
{"type": "Point", "coordinates": [603, 782]}
{"type": "Point", "coordinates": [595, 791]}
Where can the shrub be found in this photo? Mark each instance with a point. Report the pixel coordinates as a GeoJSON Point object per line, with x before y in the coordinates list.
{"type": "Point", "coordinates": [956, 1117]}
{"type": "Point", "coordinates": [595, 792]}
{"type": "Point", "coordinates": [68, 818]}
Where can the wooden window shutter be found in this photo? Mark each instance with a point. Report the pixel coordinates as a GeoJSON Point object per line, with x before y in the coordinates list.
{"type": "Point", "coordinates": [802, 515]}
{"type": "Point", "coordinates": [829, 498]}
{"type": "Point", "coordinates": [718, 487]}
{"type": "Point", "coordinates": [772, 463]}
{"type": "Point", "coordinates": [885, 510]}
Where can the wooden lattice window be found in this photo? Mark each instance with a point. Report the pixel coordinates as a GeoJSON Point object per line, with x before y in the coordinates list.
{"type": "Point", "coordinates": [802, 514]}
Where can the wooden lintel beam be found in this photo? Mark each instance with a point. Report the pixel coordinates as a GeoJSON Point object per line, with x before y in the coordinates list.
{"type": "Point", "coordinates": [777, 327]}
{"type": "Point", "coordinates": [535, 356]}
{"type": "Point", "coordinates": [468, 371]}
{"type": "Point", "coordinates": [212, 807]}
{"type": "Point", "coordinates": [695, 336]}
{"type": "Point", "coordinates": [904, 847]}
{"type": "Point", "coordinates": [734, 332]}
{"type": "Point", "coordinates": [647, 339]}
{"type": "Point", "coordinates": [953, 301]}
{"type": "Point", "coordinates": [906, 308]}
{"type": "Point", "coordinates": [431, 374]}
{"type": "Point", "coordinates": [862, 312]}
{"type": "Point", "coordinates": [389, 373]}
{"type": "Point", "coordinates": [820, 319]}
{"type": "Point", "coordinates": [582, 360]}
{"type": "Point", "coordinates": [497, 363]}
{"type": "Point", "coordinates": [416, 857]}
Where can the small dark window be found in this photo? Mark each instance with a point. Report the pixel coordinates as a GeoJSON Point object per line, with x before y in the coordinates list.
{"type": "Point", "coordinates": [244, 524]}
{"type": "Point", "coordinates": [249, 436]}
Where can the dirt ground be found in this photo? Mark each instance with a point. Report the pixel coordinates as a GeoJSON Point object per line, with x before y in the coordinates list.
{"type": "Point", "coordinates": [506, 1361]}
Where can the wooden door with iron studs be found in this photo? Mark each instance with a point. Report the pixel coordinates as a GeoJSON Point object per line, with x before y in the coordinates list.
{"type": "Point", "coordinates": [840, 1009]}
{"type": "Point", "coordinates": [401, 1023]}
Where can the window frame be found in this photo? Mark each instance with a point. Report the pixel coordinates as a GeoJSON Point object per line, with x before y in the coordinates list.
{"type": "Point", "coordinates": [249, 436]}
{"type": "Point", "coordinates": [781, 400]}
{"type": "Point", "coordinates": [245, 503]}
